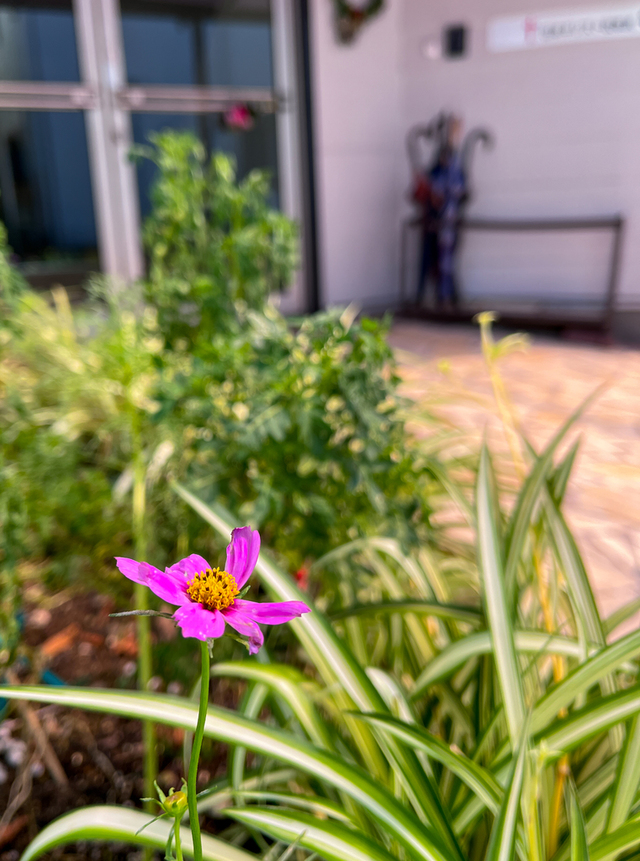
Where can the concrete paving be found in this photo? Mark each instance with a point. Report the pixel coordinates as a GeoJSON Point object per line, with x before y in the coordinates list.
{"type": "Point", "coordinates": [442, 367]}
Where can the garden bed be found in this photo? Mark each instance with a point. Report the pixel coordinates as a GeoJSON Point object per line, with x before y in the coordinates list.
{"type": "Point", "coordinates": [77, 643]}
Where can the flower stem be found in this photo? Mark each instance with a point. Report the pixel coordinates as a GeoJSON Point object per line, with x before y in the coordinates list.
{"type": "Point", "coordinates": [145, 667]}
{"type": "Point", "coordinates": [176, 833]}
{"type": "Point", "coordinates": [195, 755]}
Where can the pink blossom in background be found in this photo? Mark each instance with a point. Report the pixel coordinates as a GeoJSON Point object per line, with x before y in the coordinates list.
{"type": "Point", "coordinates": [239, 118]}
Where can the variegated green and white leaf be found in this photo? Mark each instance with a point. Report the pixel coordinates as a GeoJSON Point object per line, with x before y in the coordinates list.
{"type": "Point", "coordinates": [106, 823]}
{"type": "Point", "coordinates": [229, 727]}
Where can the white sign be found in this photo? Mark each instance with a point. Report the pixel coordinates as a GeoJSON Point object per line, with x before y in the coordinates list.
{"type": "Point", "coordinates": [537, 31]}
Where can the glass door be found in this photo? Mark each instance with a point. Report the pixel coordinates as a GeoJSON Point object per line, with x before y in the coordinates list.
{"type": "Point", "coordinates": [68, 186]}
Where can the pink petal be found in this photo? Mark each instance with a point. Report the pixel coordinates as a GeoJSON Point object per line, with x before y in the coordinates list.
{"type": "Point", "coordinates": [187, 568]}
{"type": "Point", "coordinates": [197, 622]}
{"type": "Point", "coordinates": [242, 554]}
{"type": "Point", "coordinates": [244, 626]}
{"type": "Point", "coordinates": [161, 584]}
{"type": "Point", "coordinates": [271, 614]}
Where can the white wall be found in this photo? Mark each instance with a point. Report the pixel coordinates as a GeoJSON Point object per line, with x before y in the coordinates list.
{"type": "Point", "coordinates": [567, 126]}
{"type": "Point", "coordinates": [359, 156]}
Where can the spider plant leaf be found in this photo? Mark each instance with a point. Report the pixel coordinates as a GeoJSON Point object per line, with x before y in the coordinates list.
{"type": "Point", "coordinates": [420, 608]}
{"type": "Point", "coordinates": [625, 787]}
{"type": "Point", "coordinates": [291, 685]}
{"type": "Point", "coordinates": [584, 677]}
{"type": "Point", "coordinates": [574, 570]}
{"type": "Point", "coordinates": [529, 497]}
{"type": "Point", "coordinates": [317, 806]}
{"type": "Point", "coordinates": [250, 706]}
{"type": "Point", "coordinates": [331, 840]}
{"type": "Point", "coordinates": [421, 840]}
{"type": "Point", "coordinates": [617, 843]}
{"type": "Point", "coordinates": [107, 823]}
{"type": "Point", "coordinates": [620, 616]}
{"type": "Point", "coordinates": [579, 843]}
{"type": "Point", "coordinates": [503, 834]}
{"type": "Point", "coordinates": [562, 473]}
{"type": "Point", "coordinates": [480, 781]}
{"type": "Point", "coordinates": [498, 616]}
{"type": "Point", "coordinates": [452, 657]}
{"type": "Point", "coordinates": [566, 734]}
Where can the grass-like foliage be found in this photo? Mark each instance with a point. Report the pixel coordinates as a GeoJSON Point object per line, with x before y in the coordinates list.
{"type": "Point", "coordinates": [480, 711]}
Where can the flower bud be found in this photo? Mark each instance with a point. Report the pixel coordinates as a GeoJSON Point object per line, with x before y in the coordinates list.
{"type": "Point", "coordinates": [175, 804]}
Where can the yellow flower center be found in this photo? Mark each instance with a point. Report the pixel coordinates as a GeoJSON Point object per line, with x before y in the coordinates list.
{"type": "Point", "coordinates": [213, 588]}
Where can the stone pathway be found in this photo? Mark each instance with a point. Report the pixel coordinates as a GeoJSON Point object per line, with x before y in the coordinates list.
{"type": "Point", "coordinates": [546, 383]}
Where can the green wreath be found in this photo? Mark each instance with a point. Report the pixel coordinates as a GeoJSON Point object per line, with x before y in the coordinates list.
{"type": "Point", "coordinates": [350, 18]}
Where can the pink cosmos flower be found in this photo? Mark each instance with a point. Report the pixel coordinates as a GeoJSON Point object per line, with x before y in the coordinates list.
{"type": "Point", "coordinates": [208, 597]}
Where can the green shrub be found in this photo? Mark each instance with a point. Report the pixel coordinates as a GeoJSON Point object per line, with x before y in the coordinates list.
{"type": "Point", "coordinates": [196, 376]}
{"type": "Point", "coordinates": [212, 242]}
{"type": "Point", "coordinates": [12, 284]}
{"type": "Point", "coordinates": [304, 427]}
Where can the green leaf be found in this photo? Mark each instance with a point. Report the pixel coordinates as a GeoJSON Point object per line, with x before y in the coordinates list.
{"type": "Point", "coordinates": [317, 806]}
{"type": "Point", "coordinates": [331, 840]}
{"type": "Point", "coordinates": [480, 781]}
{"type": "Point", "coordinates": [627, 779]}
{"type": "Point", "coordinates": [619, 841]}
{"type": "Point", "coordinates": [561, 475]}
{"type": "Point", "coordinates": [220, 793]}
{"type": "Point", "coordinates": [503, 834]}
{"type": "Point", "coordinates": [122, 824]}
{"type": "Point", "coordinates": [388, 546]}
{"type": "Point", "coordinates": [579, 844]}
{"type": "Point", "coordinates": [453, 488]}
{"type": "Point", "coordinates": [499, 619]}
{"type": "Point", "coordinates": [250, 707]}
{"type": "Point", "coordinates": [529, 496]}
{"type": "Point", "coordinates": [575, 572]}
{"type": "Point", "coordinates": [420, 608]}
{"type": "Point", "coordinates": [596, 785]}
{"type": "Point", "coordinates": [455, 655]}
{"type": "Point", "coordinates": [291, 684]}
{"type": "Point", "coordinates": [580, 590]}
{"type": "Point", "coordinates": [621, 615]}
{"type": "Point", "coordinates": [229, 727]}
{"type": "Point", "coordinates": [583, 678]}
{"type": "Point", "coordinates": [393, 694]}
{"type": "Point", "coordinates": [604, 713]}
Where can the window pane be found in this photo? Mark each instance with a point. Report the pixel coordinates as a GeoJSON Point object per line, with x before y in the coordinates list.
{"type": "Point", "coordinates": [38, 43]}
{"type": "Point", "coordinates": [238, 53]}
{"type": "Point", "coordinates": [45, 194]}
{"type": "Point", "coordinates": [252, 149]}
{"type": "Point", "coordinates": [149, 40]}
{"type": "Point", "coordinates": [207, 44]}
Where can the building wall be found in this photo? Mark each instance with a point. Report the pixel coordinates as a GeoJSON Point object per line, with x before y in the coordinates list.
{"type": "Point", "coordinates": [566, 121]}
{"type": "Point", "coordinates": [359, 156]}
